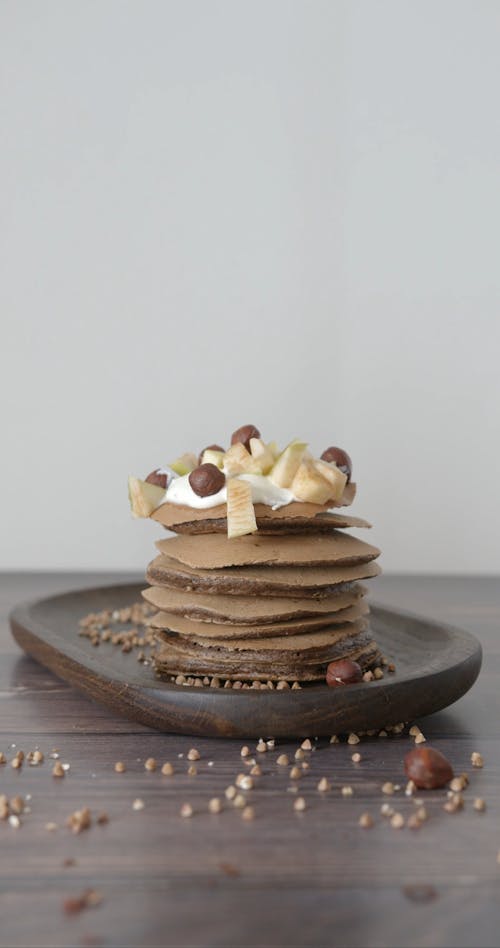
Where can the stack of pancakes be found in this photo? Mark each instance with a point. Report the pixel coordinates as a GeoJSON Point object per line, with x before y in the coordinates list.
{"type": "Point", "coordinates": [280, 604]}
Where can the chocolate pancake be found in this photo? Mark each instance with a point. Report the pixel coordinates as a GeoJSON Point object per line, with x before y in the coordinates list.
{"type": "Point", "coordinates": [289, 581]}
{"type": "Point", "coordinates": [170, 622]}
{"type": "Point", "coordinates": [301, 661]}
{"type": "Point", "coordinates": [323, 522]}
{"type": "Point", "coordinates": [180, 518]}
{"type": "Point", "coordinates": [246, 610]}
{"type": "Point", "coordinates": [216, 552]}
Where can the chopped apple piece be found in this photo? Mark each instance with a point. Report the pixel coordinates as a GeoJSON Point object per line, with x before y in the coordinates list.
{"type": "Point", "coordinates": [273, 448]}
{"type": "Point", "coordinates": [335, 477]}
{"type": "Point", "coordinates": [262, 454]}
{"type": "Point", "coordinates": [144, 497]}
{"type": "Point", "coordinates": [211, 456]}
{"type": "Point", "coordinates": [237, 460]}
{"type": "Point", "coordinates": [240, 511]}
{"type": "Point", "coordinates": [185, 464]}
{"type": "Point", "coordinates": [310, 486]}
{"type": "Point", "coordinates": [285, 468]}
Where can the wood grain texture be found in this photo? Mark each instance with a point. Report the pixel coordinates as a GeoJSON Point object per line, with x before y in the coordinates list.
{"type": "Point", "coordinates": [286, 878]}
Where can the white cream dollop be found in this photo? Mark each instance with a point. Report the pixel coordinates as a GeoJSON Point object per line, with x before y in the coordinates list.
{"type": "Point", "coordinates": [179, 491]}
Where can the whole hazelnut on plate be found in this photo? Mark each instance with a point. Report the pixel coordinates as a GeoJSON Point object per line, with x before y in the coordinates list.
{"type": "Point", "coordinates": [242, 435]}
{"type": "Point", "coordinates": [206, 480]}
{"type": "Point", "coordinates": [340, 458]}
{"type": "Point", "coordinates": [343, 672]}
{"type": "Point", "coordinates": [157, 477]}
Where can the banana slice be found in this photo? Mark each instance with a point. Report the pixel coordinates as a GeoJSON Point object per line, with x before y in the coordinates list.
{"type": "Point", "coordinates": [240, 512]}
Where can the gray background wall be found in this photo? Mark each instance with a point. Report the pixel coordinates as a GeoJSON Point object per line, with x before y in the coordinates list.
{"type": "Point", "coordinates": [283, 212]}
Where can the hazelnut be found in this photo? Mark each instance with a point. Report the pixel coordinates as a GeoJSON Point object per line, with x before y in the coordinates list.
{"type": "Point", "coordinates": [157, 477]}
{"type": "Point", "coordinates": [242, 435]}
{"type": "Point", "coordinates": [428, 768]}
{"type": "Point", "coordinates": [340, 458]}
{"type": "Point", "coordinates": [209, 447]}
{"type": "Point", "coordinates": [206, 480]}
{"type": "Point", "coordinates": [343, 672]}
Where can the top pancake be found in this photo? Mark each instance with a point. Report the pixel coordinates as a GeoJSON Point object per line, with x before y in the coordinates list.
{"type": "Point", "coordinates": [213, 551]}
{"type": "Point", "coordinates": [183, 519]}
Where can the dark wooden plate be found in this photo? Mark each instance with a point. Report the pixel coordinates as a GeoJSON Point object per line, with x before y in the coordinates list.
{"type": "Point", "coordinates": [435, 665]}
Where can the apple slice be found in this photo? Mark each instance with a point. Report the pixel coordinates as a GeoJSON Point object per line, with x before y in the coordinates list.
{"type": "Point", "coordinates": [185, 464]}
{"type": "Point", "coordinates": [240, 512]}
{"type": "Point", "coordinates": [237, 460]}
{"type": "Point", "coordinates": [310, 486]}
{"type": "Point", "coordinates": [273, 448]}
{"type": "Point", "coordinates": [262, 454]}
{"type": "Point", "coordinates": [211, 456]}
{"type": "Point", "coordinates": [285, 468]}
{"type": "Point", "coordinates": [144, 497]}
{"type": "Point", "coordinates": [335, 477]}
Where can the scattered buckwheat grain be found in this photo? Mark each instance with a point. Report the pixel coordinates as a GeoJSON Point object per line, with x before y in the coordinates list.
{"type": "Point", "coordinates": [324, 785]}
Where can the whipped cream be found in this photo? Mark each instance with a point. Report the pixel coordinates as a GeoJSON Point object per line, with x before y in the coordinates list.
{"type": "Point", "coordinates": [179, 491]}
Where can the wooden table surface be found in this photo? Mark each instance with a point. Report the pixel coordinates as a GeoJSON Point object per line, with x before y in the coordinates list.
{"type": "Point", "coordinates": [285, 878]}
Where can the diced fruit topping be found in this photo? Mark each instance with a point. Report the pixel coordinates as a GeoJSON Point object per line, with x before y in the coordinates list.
{"type": "Point", "coordinates": [144, 497]}
{"type": "Point", "coordinates": [240, 510]}
{"type": "Point", "coordinates": [286, 466]}
{"type": "Point", "coordinates": [185, 464]}
{"type": "Point", "coordinates": [340, 458]}
{"type": "Point", "coordinates": [428, 768]}
{"type": "Point", "coordinates": [308, 479]}
{"type": "Point", "coordinates": [343, 672]}
{"type": "Point", "coordinates": [237, 460]}
{"type": "Point", "coordinates": [213, 456]}
{"type": "Point", "coordinates": [158, 477]}
{"type": "Point", "coordinates": [310, 486]}
{"type": "Point", "coordinates": [334, 476]}
{"type": "Point", "coordinates": [211, 447]}
{"type": "Point", "coordinates": [263, 454]}
{"type": "Point", "coordinates": [206, 480]}
{"type": "Point", "coordinates": [242, 435]}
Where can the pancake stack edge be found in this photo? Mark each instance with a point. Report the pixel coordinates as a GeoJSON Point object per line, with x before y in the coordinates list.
{"type": "Point", "coordinates": [275, 605]}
